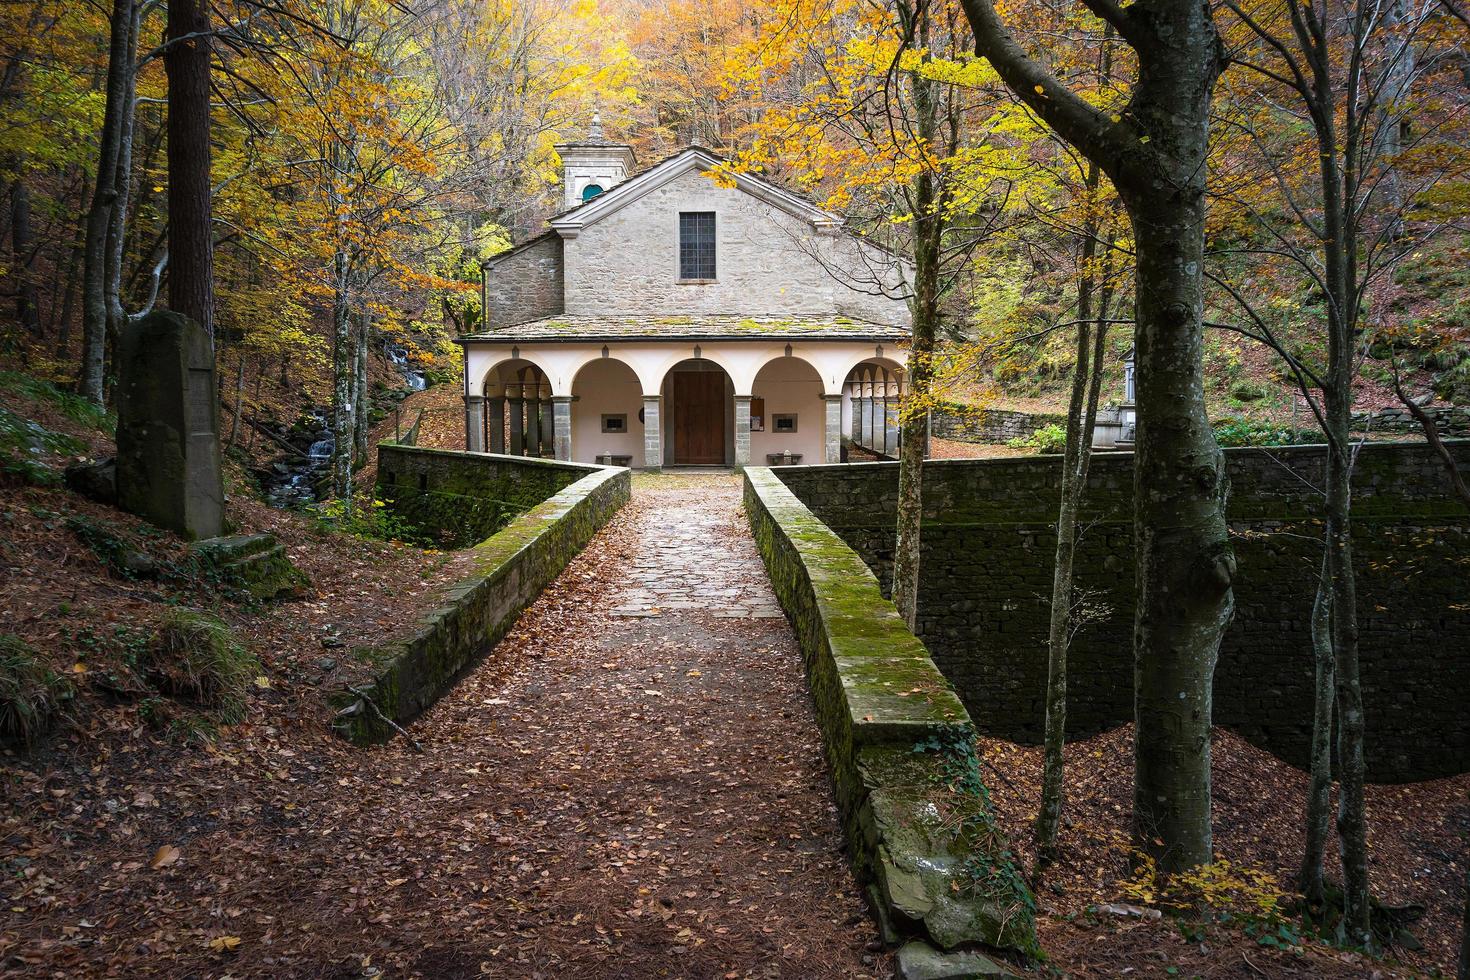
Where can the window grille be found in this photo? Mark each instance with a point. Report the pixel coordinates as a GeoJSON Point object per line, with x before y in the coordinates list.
{"type": "Point", "coordinates": [696, 245]}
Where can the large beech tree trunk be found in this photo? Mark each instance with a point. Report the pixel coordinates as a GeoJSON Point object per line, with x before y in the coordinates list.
{"type": "Point", "coordinates": [190, 241]}
{"type": "Point", "coordinates": [1155, 153]}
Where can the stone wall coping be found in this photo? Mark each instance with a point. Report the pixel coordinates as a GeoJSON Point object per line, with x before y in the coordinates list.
{"type": "Point", "coordinates": [894, 732]}
{"type": "Point", "coordinates": [891, 687]}
{"type": "Point", "coordinates": [1460, 447]}
{"type": "Point", "coordinates": [553, 464]}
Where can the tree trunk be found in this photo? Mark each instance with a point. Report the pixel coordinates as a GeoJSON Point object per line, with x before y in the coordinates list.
{"type": "Point", "coordinates": [239, 398]}
{"type": "Point", "coordinates": [928, 229]}
{"type": "Point", "coordinates": [1081, 417]}
{"type": "Point", "coordinates": [1319, 789]}
{"type": "Point", "coordinates": [1184, 559]}
{"type": "Point", "coordinates": [90, 382]}
{"type": "Point", "coordinates": [117, 219]}
{"type": "Point", "coordinates": [360, 384]}
{"type": "Point", "coordinates": [1156, 154]}
{"type": "Point", "coordinates": [190, 241]}
{"type": "Point", "coordinates": [27, 307]}
{"type": "Point", "coordinates": [344, 388]}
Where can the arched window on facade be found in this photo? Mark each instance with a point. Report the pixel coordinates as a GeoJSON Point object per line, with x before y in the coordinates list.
{"type": "Point", "coordinates": [590, 191]}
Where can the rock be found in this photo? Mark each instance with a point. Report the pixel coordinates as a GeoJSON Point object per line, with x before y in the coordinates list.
{"type": "Point", "coordinates": [1129, 911]}
{"type": "Point", "coordinates": [95, 481]}
{"type": "Point", "coordinates": [138, 564]}
{"type": "Point", "coordinates": [332, 642]}
{"type": "Point", "coordinates": [327, 663]}
{"type": "Point", "coordinates": [254, 563]}
{"type": "Point", "coordinates": [920, 961]}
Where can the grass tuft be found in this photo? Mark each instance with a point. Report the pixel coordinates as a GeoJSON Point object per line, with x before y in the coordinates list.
{"type": "Point", "coordinates": [195, 656]}
{"type": "Point", "coordinates": [30, 694]}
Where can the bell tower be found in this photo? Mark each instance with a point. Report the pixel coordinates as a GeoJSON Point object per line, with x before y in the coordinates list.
{"type": "Point", "coordinates": [593, 165]}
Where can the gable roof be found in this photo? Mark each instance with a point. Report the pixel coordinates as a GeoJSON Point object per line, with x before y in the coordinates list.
{"type": "Point", "coordinates": [694, 158]}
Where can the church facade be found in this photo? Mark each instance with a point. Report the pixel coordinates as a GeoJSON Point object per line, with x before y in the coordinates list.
{"type": "Point", "coordinates": [665, 319]}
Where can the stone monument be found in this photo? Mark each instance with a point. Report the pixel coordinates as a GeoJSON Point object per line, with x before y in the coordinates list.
{"type": "Point", "coordinates": [168, 458]}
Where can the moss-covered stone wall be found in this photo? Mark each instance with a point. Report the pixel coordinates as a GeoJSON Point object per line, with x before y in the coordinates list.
{"type": "Point", "coordinates": [453, 499]}
{"type": "Point", "coordinates": [510, 569]}
{"type": "Point", "coordinates": [985, 593]}
{"type": "Point", "coordinates": [898, 740]}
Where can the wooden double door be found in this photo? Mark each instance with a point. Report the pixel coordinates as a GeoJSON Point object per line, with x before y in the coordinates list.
{"type": "Point", "coordinates": [698, 417]}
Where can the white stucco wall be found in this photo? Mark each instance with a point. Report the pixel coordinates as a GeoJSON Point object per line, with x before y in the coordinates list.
{"type": "Point", "coordinates": [789, 386]}
{"type": "Point", "coordinates": [606, 386]}
{"type": "Point", "coordinates": [767, 260]}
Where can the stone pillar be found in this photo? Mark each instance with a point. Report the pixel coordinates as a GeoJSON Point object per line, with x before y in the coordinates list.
{"type": "Point", "coordinates": [653, 443]}
{"type": "Point", "coordinates": [533, 421]}
{"type": "Point", "coordinates": [474, 423]}
{"type": "Point", "coordinates": [497, 424]}
{"type": "Point", "coordinates": [517, 406]}
{"type": "Point", "coordinates": [832, 429]}
{"type": "Point", "coordinates": [168, 460]}
{"type": "Point", "coordinates": [856, 395]}
{"type": "Point", "coordinates": [561, 426]}
{"type": "Point", "coordinates": [742, 431]}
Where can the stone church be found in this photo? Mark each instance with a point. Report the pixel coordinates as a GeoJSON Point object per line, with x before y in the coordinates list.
{"type": "Point", "coordinates": [665, 319]}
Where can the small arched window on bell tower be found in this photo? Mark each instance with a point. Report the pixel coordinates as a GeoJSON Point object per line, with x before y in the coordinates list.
{"type": "Point", "coordinates": [590, 191]}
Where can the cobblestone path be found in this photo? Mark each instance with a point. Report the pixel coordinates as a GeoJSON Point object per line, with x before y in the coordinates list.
{"type": "Point", "coordinates": [660, 802]}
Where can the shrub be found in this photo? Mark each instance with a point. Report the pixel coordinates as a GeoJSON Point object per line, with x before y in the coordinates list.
{"type": "Point", "coordinates": [196, 656]}
{"type": "Point", "coordinates": [24, 444]}
{"type": "Point", "coordinates": [1247, 391]}
{"type": "Point", "coordinates": [1047, 439]}
{"type": "Point", "coordinates": [1235, 431]}
{"type": "Point", "coordinates": [30, 694]}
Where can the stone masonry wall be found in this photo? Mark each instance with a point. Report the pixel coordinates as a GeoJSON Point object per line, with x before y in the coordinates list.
{"type": "Point", "coordinates": [964, 423]}
{"type": "Point", "coordinates": [454, 499]}
{"type": "Point", "coordinates": [986, 585]}
{"type": "Point", "coordinates": [628, 262]}
{"type": "Point", "coordinates": [526, 285]}
{"type": "Point", "coordinates": [508, 571]}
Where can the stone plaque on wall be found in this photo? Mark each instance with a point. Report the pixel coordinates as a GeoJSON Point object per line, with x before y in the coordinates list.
{"type": "Point", "coordinates": [168, 459]}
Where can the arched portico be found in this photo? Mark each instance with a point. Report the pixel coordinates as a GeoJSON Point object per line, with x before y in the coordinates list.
{"type": "Point", "coordinates": [788, 414]}
{"type": "Point", "coordinates": [607, 413]}
{"type": "Point", "coordinates": [871, 397]}
{"type": "Point", "coordinates": [517, 412]}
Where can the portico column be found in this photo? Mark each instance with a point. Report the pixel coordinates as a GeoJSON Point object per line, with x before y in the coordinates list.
{"type": "Point", "coordinates": [561, 426]}
{"type": "Point", "coordinates": [533, 421]}
{"type": "Point", "coordinates": [517, 445]}
{"type": "Point", "coordinates": [742, 431]}
{"type": "Point", "coordinates": [474, 423]}
{"type": "Point", "coordinates": [653, 443]}
{"type": "Point", "coordinates": [832, 429]}
{"type": "Point", "coordinates": [497, 423]}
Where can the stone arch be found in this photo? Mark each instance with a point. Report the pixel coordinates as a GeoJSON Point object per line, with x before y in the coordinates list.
{"type": "Point", "coordinates": [871, 396]}
{"type": "Point", "coordinates": [787, 412]}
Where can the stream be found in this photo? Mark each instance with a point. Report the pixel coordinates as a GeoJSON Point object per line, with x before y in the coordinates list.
{"type": "Point", "coordinates": [294, 480]}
